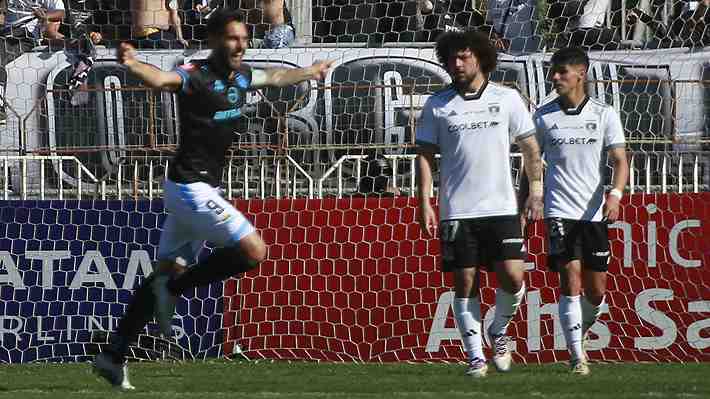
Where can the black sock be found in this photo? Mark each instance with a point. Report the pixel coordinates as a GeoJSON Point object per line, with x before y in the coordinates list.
{"type": "Point", "coordinates": [138, 314]}
{"type": "Point", "coordinates": [221, 264]}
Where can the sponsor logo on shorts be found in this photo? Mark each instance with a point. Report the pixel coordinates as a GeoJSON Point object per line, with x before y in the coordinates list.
{"type": "Point", "coordinates": [601, 253]}
{"type": "Point", "coordinates": [513, 241]}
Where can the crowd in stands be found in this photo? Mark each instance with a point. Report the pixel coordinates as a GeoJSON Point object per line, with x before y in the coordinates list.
{"type": "Point", "coordinates": [517, 26]}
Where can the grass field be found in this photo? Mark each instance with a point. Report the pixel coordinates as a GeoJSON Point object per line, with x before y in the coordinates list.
{"type": "Point", "coordinates": [326, 380]}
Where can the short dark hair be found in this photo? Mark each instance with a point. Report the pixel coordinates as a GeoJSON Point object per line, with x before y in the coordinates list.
{"type": "Point", "coordinates": [478, 43]}
{"type": "Point", "coordinates": [570, 56]}
{"type": "Point", "coordinates": [218, 21]}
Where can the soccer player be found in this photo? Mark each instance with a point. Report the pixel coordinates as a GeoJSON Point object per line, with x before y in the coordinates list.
{"type": "Point", "coordinates": [472, 124]}
{"type": "Point", "coordinates": [210, 97]}
{"type": "Point", "coordinates": [574, 132]}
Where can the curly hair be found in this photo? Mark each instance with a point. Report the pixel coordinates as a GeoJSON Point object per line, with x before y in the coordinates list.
{"type": "Point", "coordinates": [478, 43]}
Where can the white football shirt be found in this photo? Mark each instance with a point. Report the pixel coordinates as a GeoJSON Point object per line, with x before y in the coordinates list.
{"type": "Point", "coordinates": [474, 135]}
{"type": "Point", "coordinates": [574, 143]}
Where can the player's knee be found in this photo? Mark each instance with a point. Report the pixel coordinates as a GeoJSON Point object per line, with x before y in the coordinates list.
{"type": "Point", "coordinates": [256, 253]}
{"type": "Point", "coordinates": [253, 248]}
{"type": "Point", "coordinates": [465, 283]}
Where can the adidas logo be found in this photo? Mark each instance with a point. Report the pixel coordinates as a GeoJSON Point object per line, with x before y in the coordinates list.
{"type": "Point", "coordinates": [452, 113]}
{"type": "Point", "coordinates": [554, 127]}
{"type": "Point", "coordinates": [471, 333]}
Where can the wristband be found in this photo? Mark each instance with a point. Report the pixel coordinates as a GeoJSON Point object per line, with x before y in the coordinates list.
{"type": "Point", "coordinates": [615, 192]}
{"type": "Point", "coordinates": [536, 188]}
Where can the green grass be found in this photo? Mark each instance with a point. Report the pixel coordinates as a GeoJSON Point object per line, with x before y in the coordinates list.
{"type": "Point", "coordinates": [327, 380]}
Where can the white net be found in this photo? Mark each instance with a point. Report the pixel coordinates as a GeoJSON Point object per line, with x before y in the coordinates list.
{"type": "Point", "coordinates": [348, 276]}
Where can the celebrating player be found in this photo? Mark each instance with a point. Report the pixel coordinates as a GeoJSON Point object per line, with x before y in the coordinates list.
{"type": "Point", "coordinates": [472, 124]}
{"type": "Point", "coordinates": [574, 132]}
{"type": "Point", "coordinates": [210, 97]}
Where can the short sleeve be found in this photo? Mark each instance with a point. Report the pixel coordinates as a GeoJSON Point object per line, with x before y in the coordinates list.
{"type": "Point", "coordinates": [520, 123]}
{"type": "Point", "coordinates": [613, 130]}
{"type": "Point", "coordinates": [186, 72]}
{"type": "Point", "coordinates": [427, 133]}
{"type": "Point", "coordinates": [539, 131]}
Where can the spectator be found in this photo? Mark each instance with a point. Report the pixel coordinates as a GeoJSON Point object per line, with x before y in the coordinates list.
{"type": "Point", "coordinates": [281, 32]}
{"type": "Point", "coordinates": [156, 24]}
{"type": "Point", "coordinates": [581, 23]}
{"type": "Point", "coordinates": [25, 24]}
{"type": "Point", "coordinates": [689, 25]}
{"type": "Point", "coordinates": [513, 25]}
{"type": "Point", "coordinates": [274, 13]}
{"type": "Point", "coordinates": [439, 16]}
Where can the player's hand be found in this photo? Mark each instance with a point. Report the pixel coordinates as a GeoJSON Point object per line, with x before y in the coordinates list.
{"type": "Point", "coordinates": [534, 208]}
{"type": "Point", "coordinates": [523, 224]}
{"type": "Point", "coordinates": [184, 42]}
{"type": "Point", "coordinates": [126, 54]}
{"type": "Point", "coordinates": [611, 209]}
{"type": "Point", "coordinates": [427, 219]}
{"type": "Point", "coordinates": [320, 69]}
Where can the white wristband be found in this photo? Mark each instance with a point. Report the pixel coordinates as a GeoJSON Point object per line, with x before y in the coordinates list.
{"type": "Point", "coordinates": [615, 192]}
{"type": "Point", "coordinates": [536, 188]}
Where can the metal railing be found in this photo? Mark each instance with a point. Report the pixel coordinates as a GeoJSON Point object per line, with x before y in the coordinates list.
{"type": "Point", "coordinates": [66, 177]}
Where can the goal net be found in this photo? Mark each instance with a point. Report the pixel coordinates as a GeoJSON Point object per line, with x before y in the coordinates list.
{"type": "Point", "coordinates": [325, 171]}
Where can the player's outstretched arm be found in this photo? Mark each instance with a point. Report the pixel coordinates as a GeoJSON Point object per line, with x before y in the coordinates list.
{"type": "Point", "coordinates": [533, 171]}
{"type": "Point", "coordinates": [281, 77]}
{"type": "Point", "coordinates": [617, 156]}
{"type": "Point", "coordinates": [150, 75]}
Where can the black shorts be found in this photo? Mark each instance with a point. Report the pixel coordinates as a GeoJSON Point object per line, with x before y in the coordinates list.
{"type": "Point", "coordinates": [569, 240]}
{"type": "Point", "coordinates": [480, 242]}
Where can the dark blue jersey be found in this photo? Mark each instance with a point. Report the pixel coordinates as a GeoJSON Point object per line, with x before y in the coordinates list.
{"type": "Point", "coordinates": [210, 112]}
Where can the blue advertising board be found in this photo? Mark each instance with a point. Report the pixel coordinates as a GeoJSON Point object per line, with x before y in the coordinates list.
{"type": "Point", "coordinates": [68, 270]}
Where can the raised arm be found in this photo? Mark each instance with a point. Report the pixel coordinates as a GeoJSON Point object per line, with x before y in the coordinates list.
{"type": "Point", "coordinates": [150, 75]}
{"type": "Point", "coordinates": [281, 77]}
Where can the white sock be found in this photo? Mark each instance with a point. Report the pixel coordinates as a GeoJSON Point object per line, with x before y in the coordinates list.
{"type": "Point", "coordinates": [506, 307]}
{"type": "Point", "coordinates": [590, 314]}
{"type": "Point", "coordinates": [468, 319]}
{"type": "Point", "coordinates": [571, 318]}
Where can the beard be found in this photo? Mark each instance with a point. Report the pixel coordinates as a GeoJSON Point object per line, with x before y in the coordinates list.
{"type": "Point", "coordinates": [228, 59]}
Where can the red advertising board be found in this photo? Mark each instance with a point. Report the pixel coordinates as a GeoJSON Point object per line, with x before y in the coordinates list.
{"type": "Point", "coordinates": [353, 279]}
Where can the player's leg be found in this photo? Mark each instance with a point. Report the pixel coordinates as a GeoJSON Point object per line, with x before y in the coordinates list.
{"type": "Point", "coordinates": [111, 363]}
{"type": "Point", "coordinates": [596, 263]}
{"type": "Point", "coordinates": [237, 257]}
{"type": "Point", "coordinates": [507, 253]}
{"type": "Point", "coordinates": [467, 311]}
{"type": "Point", "coordinates": [238, 247]}
{"type": "Point", "coordinates": [593, 300]}
{"type": "Point", "coordinates": [570, 311]}
{"type": "Point", "coordinates": [459, 251]}
{"type": "Point", "coordinates": [564, 243]}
